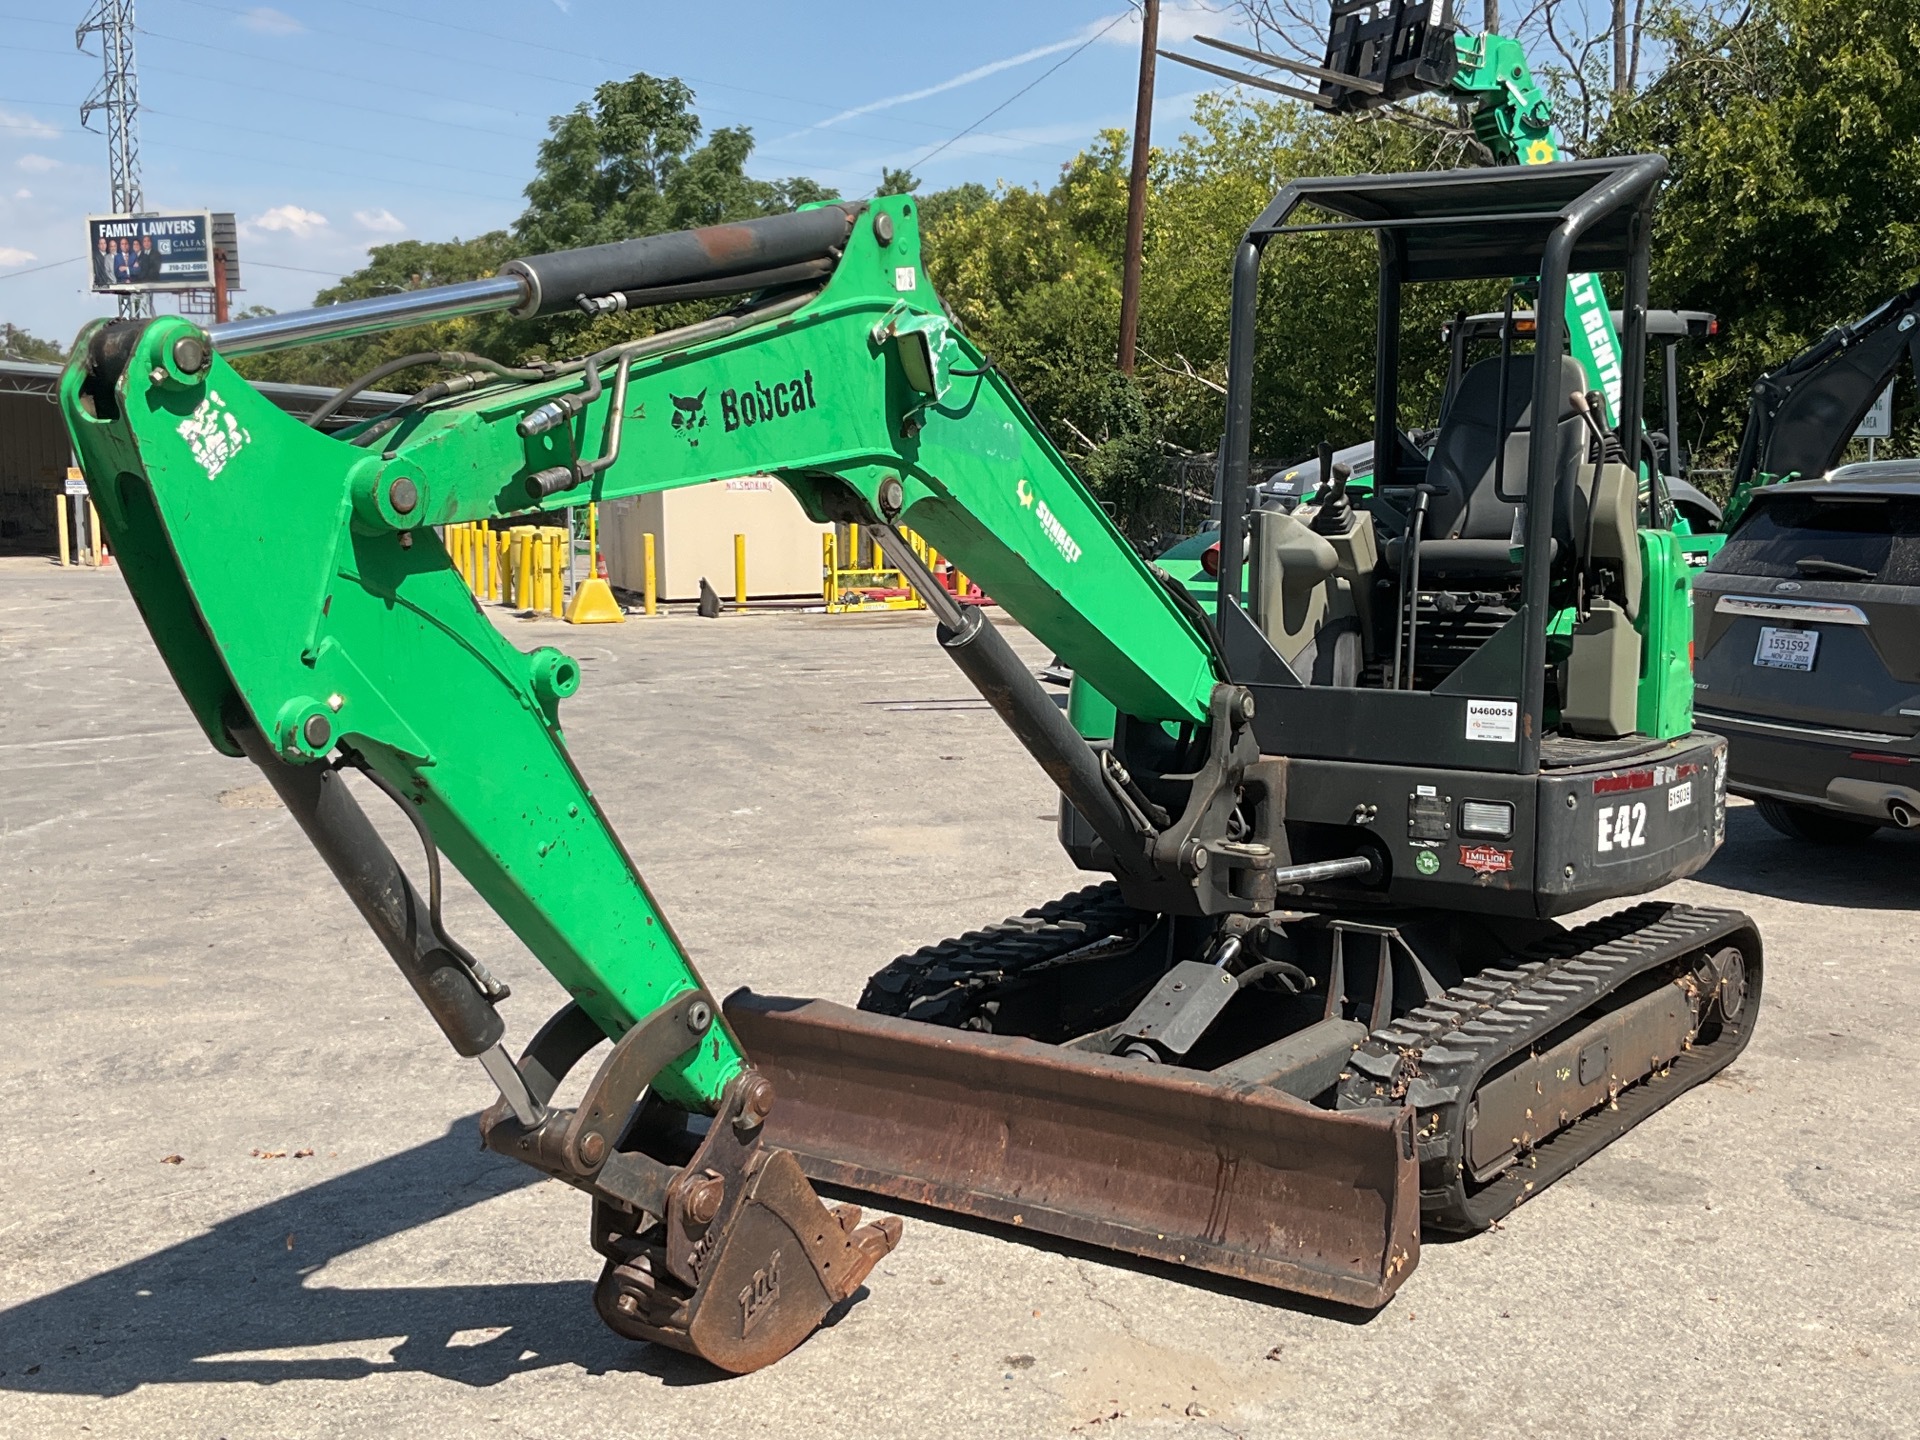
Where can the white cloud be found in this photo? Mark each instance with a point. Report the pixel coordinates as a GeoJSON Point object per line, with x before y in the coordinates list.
{"type": "Point", "coordinates": [381, 221]}
{"type": "Point", "coordinates": [23, 193]}
{"type": "Point", "coordinates": [11, 256]}
{"type": "Point", "coordinates": [27, 124]}
{"type": "Point", "coordinates": [37, 164]}
{"type": "Point", "coordinates": [265, 20]}
{"type": "Point", "coordinates": [290, 220]}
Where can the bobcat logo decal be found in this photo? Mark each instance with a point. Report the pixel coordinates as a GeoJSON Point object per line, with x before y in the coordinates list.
{"type": "Point", "coordinates": [689, 416]}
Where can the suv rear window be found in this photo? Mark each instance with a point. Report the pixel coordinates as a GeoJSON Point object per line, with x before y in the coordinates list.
{"type": "Point", "coordinates": [1861, 538]}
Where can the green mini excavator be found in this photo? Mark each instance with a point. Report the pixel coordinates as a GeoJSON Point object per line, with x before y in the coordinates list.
{"type": "Point", "coordinates": [1320, 998]}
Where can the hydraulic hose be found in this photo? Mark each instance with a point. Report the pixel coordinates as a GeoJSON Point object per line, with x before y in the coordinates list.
{"type": "Point", "coordinates": [450, 359]}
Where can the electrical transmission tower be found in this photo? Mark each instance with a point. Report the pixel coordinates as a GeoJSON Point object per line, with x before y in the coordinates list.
{"type": "Point", "coordinates": [118, 94]}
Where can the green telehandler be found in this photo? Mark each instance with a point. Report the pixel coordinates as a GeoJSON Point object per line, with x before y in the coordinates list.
{"type": "Point", "coordinates": [1322, 998]}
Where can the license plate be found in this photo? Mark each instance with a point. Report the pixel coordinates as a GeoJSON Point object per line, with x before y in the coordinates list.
{"type": "Point", "coordinates": [1786, 649]}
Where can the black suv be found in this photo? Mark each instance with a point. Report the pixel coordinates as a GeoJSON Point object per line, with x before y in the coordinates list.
{"type": "Point", "coordinates": [1807, 652]}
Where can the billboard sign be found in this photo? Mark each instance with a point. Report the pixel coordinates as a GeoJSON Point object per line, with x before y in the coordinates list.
{"type": "Point", "coordinates": [151, 252]}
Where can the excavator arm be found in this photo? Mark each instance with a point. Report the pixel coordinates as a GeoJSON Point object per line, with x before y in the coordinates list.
{"type": "Point", "coordinates": [1802, 416]}
{"type": "Point", "coordinates": [299, 592]}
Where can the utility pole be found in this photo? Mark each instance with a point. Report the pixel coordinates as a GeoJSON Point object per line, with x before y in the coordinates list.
{"type": "Point", "coordinates": [118, 93]}
{"type": "Point", "coordinates": [1136, 187]}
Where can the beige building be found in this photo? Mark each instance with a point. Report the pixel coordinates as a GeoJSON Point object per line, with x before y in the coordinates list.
{"type": "Point", "coordinates": [693, 532]}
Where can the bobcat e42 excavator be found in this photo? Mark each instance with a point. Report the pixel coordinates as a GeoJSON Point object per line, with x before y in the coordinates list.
{"type": "Point", "coordinates": [1323, 998]}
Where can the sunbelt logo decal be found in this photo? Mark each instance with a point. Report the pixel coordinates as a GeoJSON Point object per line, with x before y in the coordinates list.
{"type": "Point", "coordinates": [1589, 302]}
{"type": "Point", "coordinates": [1050, 525]}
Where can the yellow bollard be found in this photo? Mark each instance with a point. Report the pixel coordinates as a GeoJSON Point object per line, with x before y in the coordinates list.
{"type": "Point", "coordinates": [740, 570]}
{"type": "Point", "coordinates": [651, 577]}
{"type": "Point", "coordinates": [93, 533]}
{"type": "Point", "coordinates": [557, 586]}
{"type": "Point", "coordinates": [60, 526]}
{"type": "Point", "coordinates": [542, 568]}
{"type": "Point", "coordinates": [593, 602]}
{"type": "Point", "coordinates": [523, 568]}
{"type": "Point", "coordinates": [497, 579]}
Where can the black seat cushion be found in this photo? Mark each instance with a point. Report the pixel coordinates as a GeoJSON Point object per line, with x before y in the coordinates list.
{"type": "Point", "coordinates": [1467, 505]}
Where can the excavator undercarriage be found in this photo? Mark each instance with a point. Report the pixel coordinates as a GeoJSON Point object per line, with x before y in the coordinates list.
{"type": "Point", "coordinates": [1450, 1103]}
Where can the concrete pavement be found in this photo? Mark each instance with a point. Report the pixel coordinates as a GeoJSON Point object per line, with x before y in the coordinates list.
{"type": "Point", "coordinates": [331, 1253]}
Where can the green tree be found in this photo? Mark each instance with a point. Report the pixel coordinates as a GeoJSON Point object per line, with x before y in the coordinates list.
{"type": "Point", "coordinates": [629, 162]}
{"type": "Point", "coordinates": [17, 344]}
{"type": "Point", "coordinates": [1794, 203]}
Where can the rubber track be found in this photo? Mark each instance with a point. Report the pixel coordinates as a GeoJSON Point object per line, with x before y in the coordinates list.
{"type": "Point", "coordinates": [944, 984]}
{"type": "Point", "coordinates": [1436, 1056]}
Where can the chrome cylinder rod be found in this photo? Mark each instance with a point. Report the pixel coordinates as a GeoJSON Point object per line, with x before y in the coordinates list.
{"type": "Point", "coordinates": [1355, 866]}
{"type": "Point", "coordinates": [366, 317]}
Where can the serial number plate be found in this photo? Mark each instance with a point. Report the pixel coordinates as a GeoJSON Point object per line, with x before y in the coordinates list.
{"type": "Point", "coordinates": [1786, 649]}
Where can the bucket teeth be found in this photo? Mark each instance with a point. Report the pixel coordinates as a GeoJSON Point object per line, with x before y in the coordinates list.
{"type": "Point", "coordinates": [748, 1260]}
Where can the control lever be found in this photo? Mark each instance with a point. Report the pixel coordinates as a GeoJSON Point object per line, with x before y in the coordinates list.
{"type": "Point", "coordinates": [1334, 515]}
{"type": "Point", "coordinates": [1587, 407]}
{"type": "Point", "coordinates": [1406, 628]}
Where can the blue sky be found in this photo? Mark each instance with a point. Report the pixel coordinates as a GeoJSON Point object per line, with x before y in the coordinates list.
{"type": "Point", "coordinates": [331, 125]}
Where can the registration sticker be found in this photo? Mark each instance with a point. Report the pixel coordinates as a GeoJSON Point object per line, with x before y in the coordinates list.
{"type": "Point", "coordinates": [1782, 649]}
{"type": "Point", "coordinates": [1680, 796]}
{"type": "Point", "coordinates": [1497, 720]}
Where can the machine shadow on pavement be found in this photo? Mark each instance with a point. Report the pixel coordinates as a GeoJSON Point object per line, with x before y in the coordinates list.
{"type": "Point", "coordinates": [1876, 874]}
{"type": "Point", "coordinates": [204, 1311]}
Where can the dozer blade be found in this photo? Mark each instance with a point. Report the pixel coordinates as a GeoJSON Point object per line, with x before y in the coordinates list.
{"type": "Point", "coordinates": [1161, 1162]}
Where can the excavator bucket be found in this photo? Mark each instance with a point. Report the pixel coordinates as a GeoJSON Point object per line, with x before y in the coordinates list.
{"type": "Point", "coordinates": [1172, 1164]}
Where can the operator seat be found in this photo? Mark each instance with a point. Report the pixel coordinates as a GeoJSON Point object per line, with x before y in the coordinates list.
{"type": "Point", "coordinates": [1469, 526]}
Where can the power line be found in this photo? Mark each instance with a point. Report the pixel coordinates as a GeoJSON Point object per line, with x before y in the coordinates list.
{"type": "Point", "coordinates": [301, 269]}
{"type": "Point", "coordinates": [961, 135]}
{"type": "Point", "coordinates": [361, 175]}
{"type": "Point", "coordinates": [362, 79]}
{"type": "Point", "coordinates": [521, 72]}
{"type": "Point", "coordinates": [253, 129]}
{"type": "Point", "coordinates": [50, 265]}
